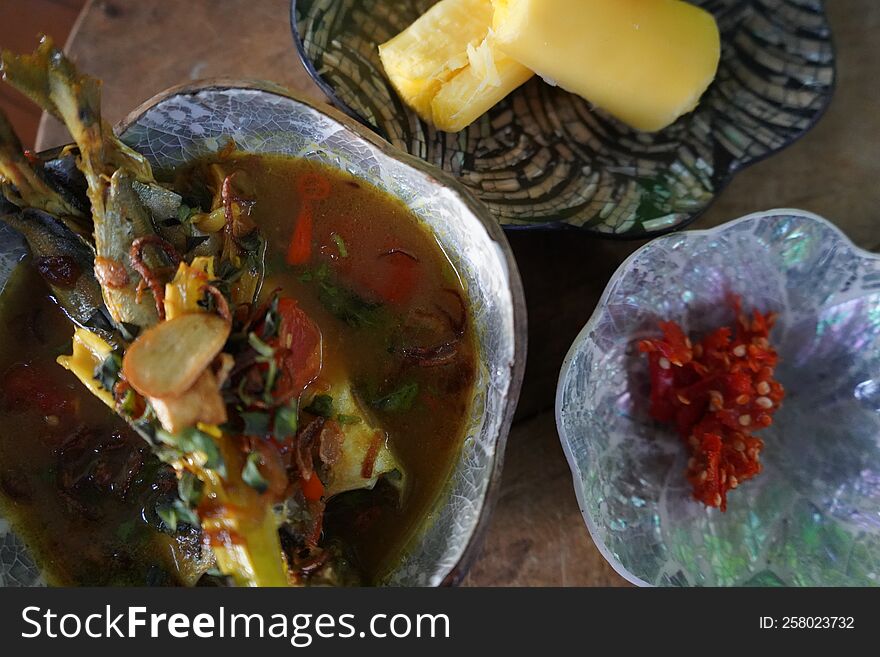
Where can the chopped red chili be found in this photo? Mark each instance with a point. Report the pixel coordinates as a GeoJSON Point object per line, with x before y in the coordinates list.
{"type": "Point", "coordinates": [716, 393]}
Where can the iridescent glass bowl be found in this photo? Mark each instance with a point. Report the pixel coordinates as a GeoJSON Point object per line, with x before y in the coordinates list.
{"type": "Point", "coordinates": [812, 517]}
{"type": "Point", "coordinates": [189, 122]}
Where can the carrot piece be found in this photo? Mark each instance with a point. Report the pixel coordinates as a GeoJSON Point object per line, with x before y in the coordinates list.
{"type": "Point", "coordinates": [300, 250]}
{"type": "Point", "coordinates": [311, 187]}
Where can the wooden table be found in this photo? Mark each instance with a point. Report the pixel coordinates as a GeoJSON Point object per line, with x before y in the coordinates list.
{"type": "Point", "coordinates": [537, 535]}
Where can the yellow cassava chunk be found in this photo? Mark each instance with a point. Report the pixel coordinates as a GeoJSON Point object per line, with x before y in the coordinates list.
{"type": "Point", "coordinates": [445, 65]}
{"type": "Point", "coordinates": [168, 358]}
{"type": "Point", "coordinates": [477, 88]}
{"type": "Point", "coordinates": [646, 62]}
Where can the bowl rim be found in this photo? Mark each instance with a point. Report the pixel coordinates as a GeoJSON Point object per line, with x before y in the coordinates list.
{"type": "Point", "coordinates": [493, 229]}
{"type": "Point", "coordinates": [733, 169]}
{"type": "Point", "coordinates": [581, 338]}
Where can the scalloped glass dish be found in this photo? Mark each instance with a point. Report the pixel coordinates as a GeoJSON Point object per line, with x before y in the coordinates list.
{"type": "Point", "coordinates": [544, 158]}
{"type": "Point", "coordinates": [185, 123]}
{"type": "Point", "coordinates": [812, 517]}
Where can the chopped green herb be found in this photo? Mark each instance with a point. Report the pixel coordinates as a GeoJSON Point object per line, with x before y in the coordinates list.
{"type": "Point", "coordinates": [256, 423]}
{"type": "Point", "coordinates": [184, 212]}
{"type": "Point", "coordinates": [340, 301]}
{"type": "Point", "coordinates": [128, 405]}
{"type": "Point", "coordinates": [190, 487]}
{"type": "Point", "coordinates": [229, 272]}
{"type": "Point", "coordinates": [192, 440]}
{"type": "Point", "coordinates": [340, 245]}
{"type": "Point", "coordinates": [272, 320]}
{"type": "Point", "coordinates": [107, 373]}
{"type": "Point", "coordinates": [322, 272]}
{"type": "Point", "coordinates": [271, 375]}
{"type": "Point", "coordinates": [347, 306]}
{"type": "Point", "coordinates": [243, 395]}
{"type": "Point", "coordinates": [169, 516]}
{"type": "Point", "coordinates": [344, 419]}
{"type": "Point", "coordinates": [401, 399]}
{"type": "Point", "coordinates": [251, 473]}
{"type": "Point", "coordinates": [286, 422]}
{"type": "Point", "coordinates": [259, 346]}
{"type": "Point", "coordinates": [176, 513]}
{"type": "Point", "coordinates": [321, 405]}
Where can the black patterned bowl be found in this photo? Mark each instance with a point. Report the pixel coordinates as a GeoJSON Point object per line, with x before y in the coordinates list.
{"type": "Point", "coordinates": [546, 158]}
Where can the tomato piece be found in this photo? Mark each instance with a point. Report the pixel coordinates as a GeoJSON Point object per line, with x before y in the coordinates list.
{"type": "Point", "coordinates": [392, 278]}
{"type": "Point", "coordinates": [299, 349]}
{"type": "Point", "coordinates": [397, 277]}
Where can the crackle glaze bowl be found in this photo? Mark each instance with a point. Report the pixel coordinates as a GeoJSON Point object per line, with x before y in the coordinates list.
{"type": "Point", "coordinates": [544, 158]}
{"type": "Point", "coordinates": [812, 517]}
{"type": "Point", "coordinates": [187, 122]}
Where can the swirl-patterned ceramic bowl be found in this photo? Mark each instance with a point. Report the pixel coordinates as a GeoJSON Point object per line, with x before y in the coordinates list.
{"type": "Point", "coordinates": [185, 123]}
{"type": "Point", "coordinates": [545, 158]}
{"type": "Point", "coordinates": [812, 517]}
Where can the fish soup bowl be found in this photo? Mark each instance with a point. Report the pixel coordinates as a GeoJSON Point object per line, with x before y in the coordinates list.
{"type": "Point", "coordinates": [185, 123]}
{"type": "Point", "coordinates": [812, 516]}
